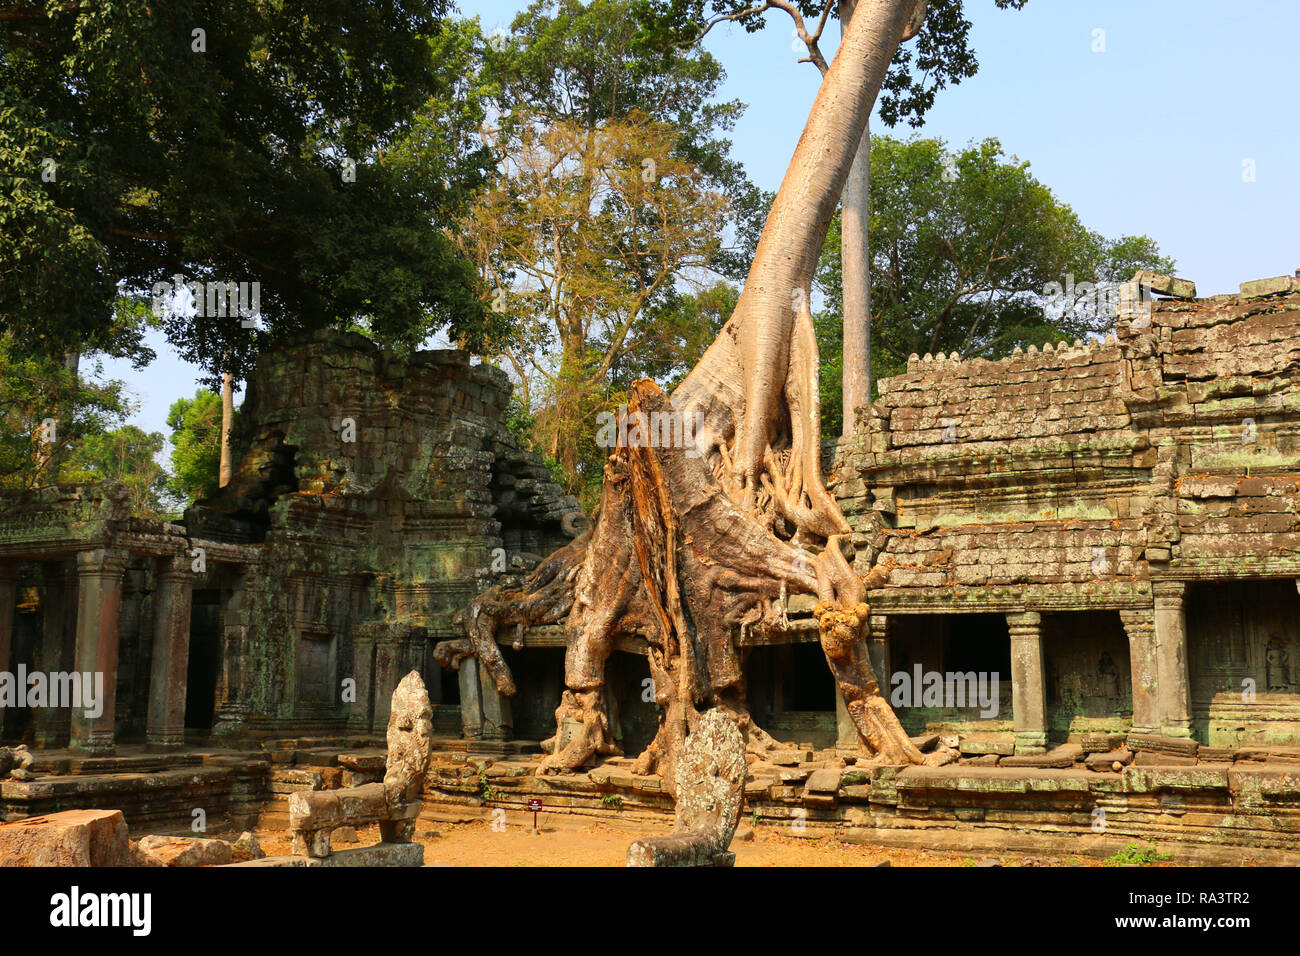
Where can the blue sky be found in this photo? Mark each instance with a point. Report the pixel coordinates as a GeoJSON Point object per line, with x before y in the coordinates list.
{"type": "Point", "coordinates": [1151, 136]}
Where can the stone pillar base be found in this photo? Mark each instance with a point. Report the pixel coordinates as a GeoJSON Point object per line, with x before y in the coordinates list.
{"type": "Point", "coordinates": [1030, 742]}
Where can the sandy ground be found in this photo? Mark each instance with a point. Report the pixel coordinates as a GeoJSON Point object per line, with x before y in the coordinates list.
{"type": "Point", "coordinates": [477, 844]}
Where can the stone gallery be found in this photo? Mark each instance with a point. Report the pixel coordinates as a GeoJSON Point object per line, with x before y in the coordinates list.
{"type": "Point", "coordinates": [1090, 556]}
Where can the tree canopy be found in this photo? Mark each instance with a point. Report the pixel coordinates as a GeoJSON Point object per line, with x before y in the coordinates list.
{"type": "Point", "coordinates": [236, 142]}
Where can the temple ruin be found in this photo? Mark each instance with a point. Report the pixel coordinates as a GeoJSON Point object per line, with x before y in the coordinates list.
{"type": "Point", "coordinates": [1094, 546]}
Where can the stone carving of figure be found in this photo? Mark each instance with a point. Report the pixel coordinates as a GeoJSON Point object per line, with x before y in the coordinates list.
{"type": "Point", "coordinates": [1108, 677]}
{"type": "Point", "coordinates": [1277, 672]}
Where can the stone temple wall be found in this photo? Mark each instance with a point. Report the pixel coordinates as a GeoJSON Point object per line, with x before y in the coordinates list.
{"type": "Point", "coordinates": [1140, 476]}
{"type": "Point", "coordinates": [384, 492]}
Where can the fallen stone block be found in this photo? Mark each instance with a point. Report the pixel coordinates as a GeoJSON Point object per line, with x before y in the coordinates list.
{"type": "Point", "coordinates": [70, 838]}
{"type": "Point", "coordinates": [1164, 284]}
{"type": "Point", "coordinates": [975, 746]}
{"type": "Point", "coordinates": [1110, 762]}
{"type": "Point", "coordinates": [823, 781]}
{"type": "Point", "coordinates": [1180, 746]}
{"type": "Point", "coordinates": [1100, 743]}
{"type": "Point", "coordinates": [381, 854]}
{"type": "Point", "coordinates": [1059, 758]}
{"type": "Point", "coordinates": [187, 851]}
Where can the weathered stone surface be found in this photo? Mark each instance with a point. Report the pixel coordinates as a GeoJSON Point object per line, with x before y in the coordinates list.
{"type": "Point", "coordinates": [16, 762]}
{"type": "Point", "coordinates": [380, 854]}
{"type": "Point", "coordinates": [1166, 284]}
{"type": "Point", "coordinates": [70, 838]}
{"type": "Point", "coordinates": [187, 851]}
{"type": "Point", "coordinates": [393, 804]}
{"type": "Point", "coordinates": [710, 790]}
{"type": "Point", "coordinates": [1106, 762]}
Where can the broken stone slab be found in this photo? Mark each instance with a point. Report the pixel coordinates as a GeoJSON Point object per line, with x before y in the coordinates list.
{"type": "Point", "coordinates": [983, 760]}
{"type": "Point", "coordinates": [925, 742]}
{"type": "Point", "coordinates": [1059, 758]}
{"type": "Point", "coordinates": [187, 851]}
{"type": "Point", "coordinates": [246, 847]}
{"type": "Point", "coordinates": [69, 838]}
{"type": "Point", "coordinates": [975, 746]}
{"type": "Point", "coordinates": [1276, 285]}
{"type": "Point", "coordinates": [1164, 284]}
{"type": "Point", "coordinates": [823, 781]}
{"type": "Point", "coordinates": [380, 854]}
{"type": "Point", "coordinates": [1178, 746]}
{"type": "Point", "coordinates": [1110, 762]}
{"type": "Point", "coordinates": [1155, 758]}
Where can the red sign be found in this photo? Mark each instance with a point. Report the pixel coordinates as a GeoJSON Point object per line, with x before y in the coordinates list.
{"type": "Point", "coordinates": [534, 805]}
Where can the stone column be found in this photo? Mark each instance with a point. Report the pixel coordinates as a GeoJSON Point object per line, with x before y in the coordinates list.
{"type": "Point", "coordinates": [8, 598]}
{"type": "Point", "coordinates": [1140, 625]}
{"type": "Point", "coordinates": [1173, 686]}
{"type": "Point", "coordinates": [56, 651]}
{"type": "Point", "coordinates": [99, 601]}
{"type": "Point", "coordinates": [235, 672]}
{"type": "Point", "coordinates": [363, 672]}
{"type": "Point", "coordinates": [471, 710]}
{"type": "Point", "coordinates": [1028, 696]}
{"type": "Point", "coordinates": [498, 723]}
{"type": "Point", "coordinates": [173, 598]}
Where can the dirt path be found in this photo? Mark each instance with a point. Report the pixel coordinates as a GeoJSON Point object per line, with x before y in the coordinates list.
{"type": "Point", "coordinates": [477, 844]}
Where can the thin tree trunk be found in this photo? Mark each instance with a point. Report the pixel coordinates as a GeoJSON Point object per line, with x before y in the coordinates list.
{"type": "Point", "coordinates": [227, 424]}
{"type": "Point", "coordinates": [855, 272]}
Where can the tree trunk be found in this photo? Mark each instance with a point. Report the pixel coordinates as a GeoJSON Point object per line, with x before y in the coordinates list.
{"type": "Point", "coordinates": [692, 545]}
{"type": "Point", "coordinates": [227, 424]}
{"type": "Point", "coordinates": [855, 272]}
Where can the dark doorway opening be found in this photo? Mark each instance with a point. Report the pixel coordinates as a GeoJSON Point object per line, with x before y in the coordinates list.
{"type": "Point", "coordinates": [205, 659]}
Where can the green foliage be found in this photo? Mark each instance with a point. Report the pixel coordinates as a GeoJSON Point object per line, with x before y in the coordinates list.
{"type": "Point", "coordinates": [937, 56]}
{"type": "Point", "coordinates": [127, 455]}
{"type": "Point", "coordinates": [485, 789]}
{"type": "Point", "coordinates": [1137, 854]}
{"type": "Point", "coordinates": [196, 446]}
{"type": "Point", "coordinates": [220, 155]}
{"type": "Point", "coordinates": [612, 801]}
{"type": "Point", "coordinates": [39, 389]}
{"type": "Point", "coordinates": [963, 247]}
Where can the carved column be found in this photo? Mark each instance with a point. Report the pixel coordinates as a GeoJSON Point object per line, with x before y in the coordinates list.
{"type": "Point", "coordinates": [1173, 686]}
{"type": "Point", "coordinates": [498, 723]}
{"type": "Point", "coordinates": [1140, 625]}
{"type": "Point", "coordinates": [8, 598]}
{"type": "Point", "coordinates": [231, 706]}
{"type": "Point", "coordinates": [1028, 696]}
{"type": "Point", "coordinates": [363, 673]}
{"type": "Point", "coordinates": [173, 600]}
{"type": "Point", "coordinates": [56, 652]}
{"type": "Point", "coordinates": [471, 710]}
{"type": "Point", "coordinates": [99, 602]}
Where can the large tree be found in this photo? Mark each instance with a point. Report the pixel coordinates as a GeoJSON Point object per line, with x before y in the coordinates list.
{"type": "Point", "coordinates": [692, 545]}
{"type": "Point", "coordinates": [267, 142]}
{"type": "Point", "coordinates": [940, 56]}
